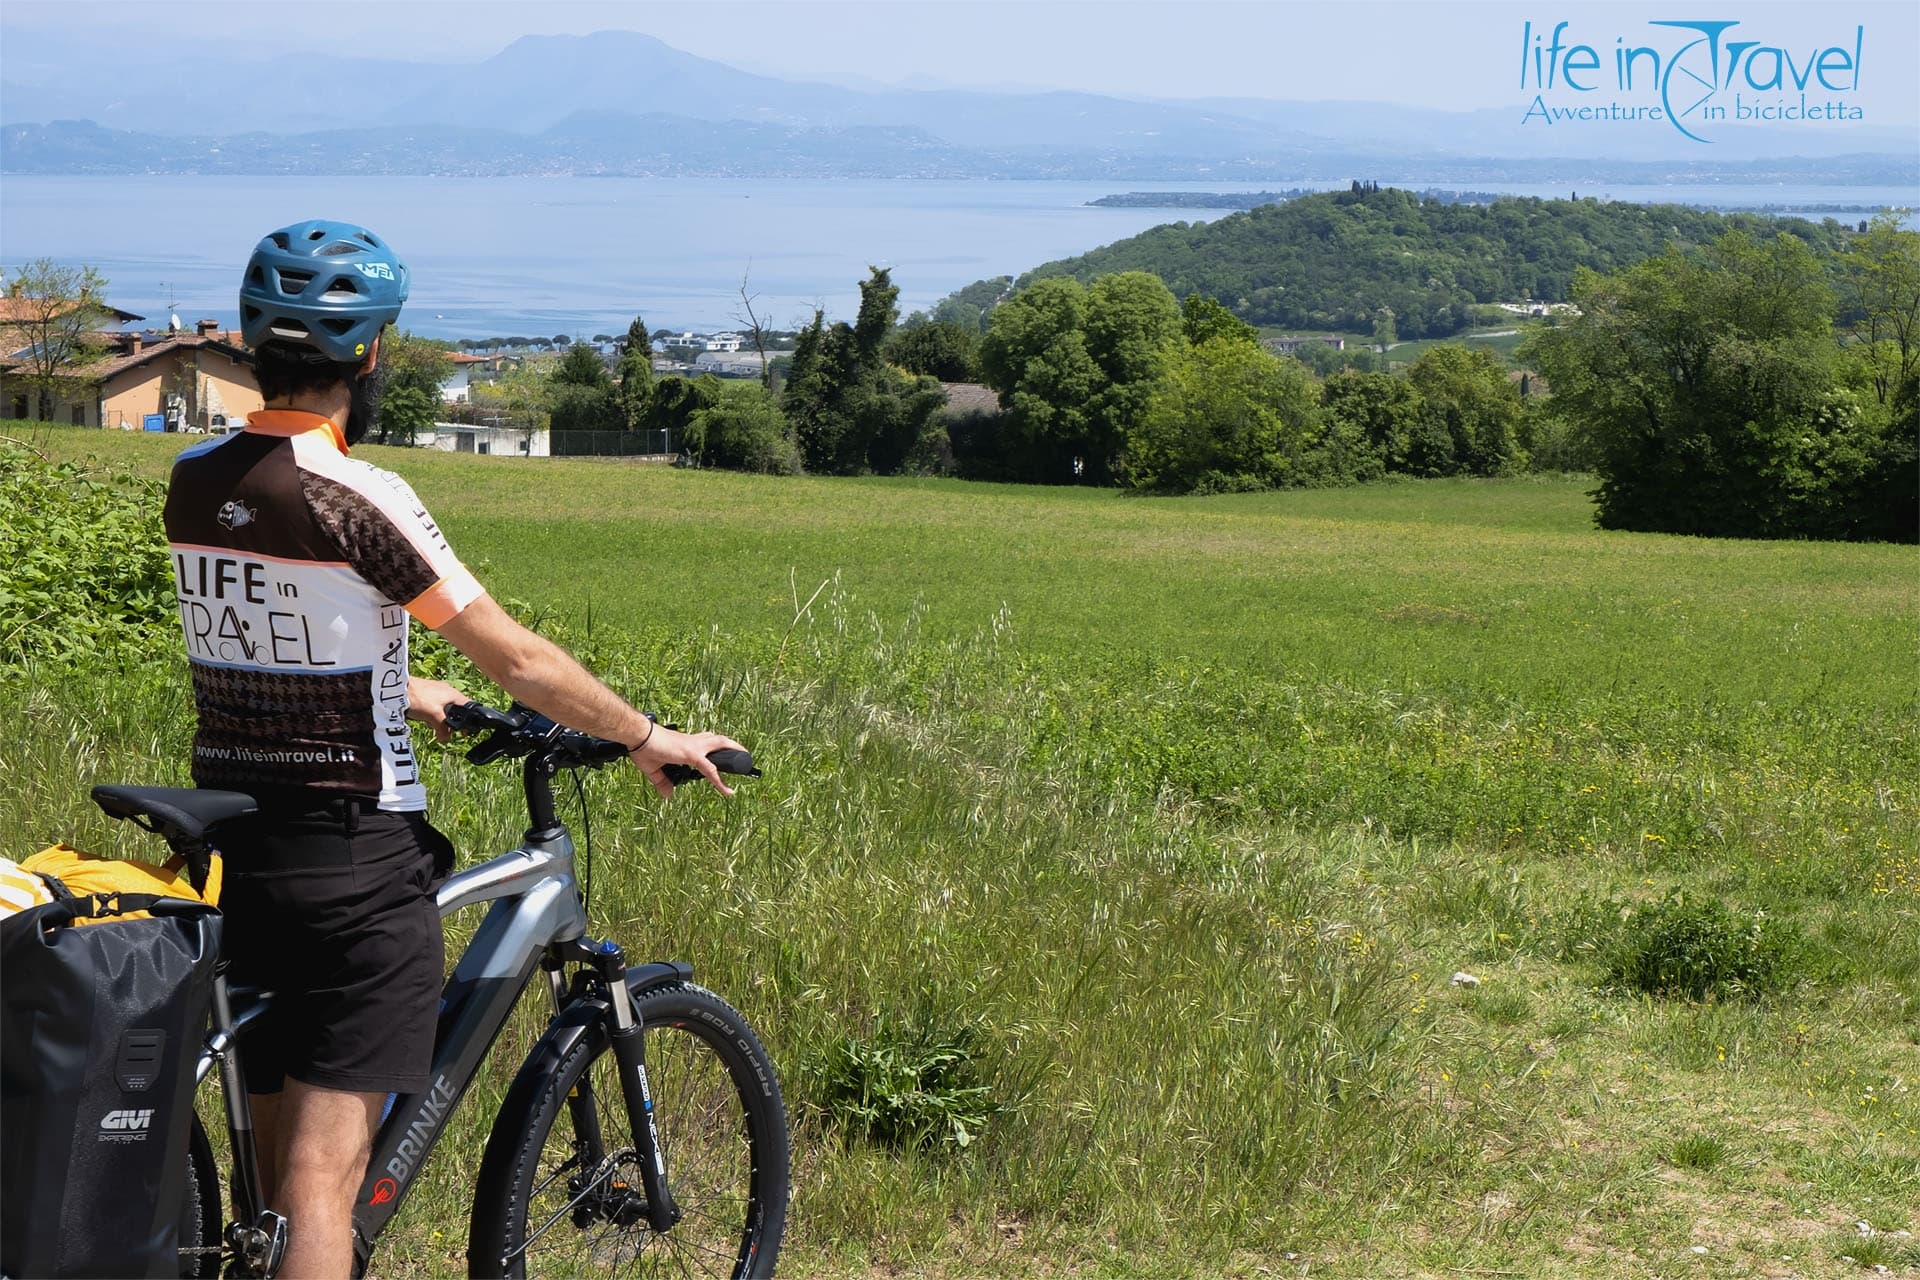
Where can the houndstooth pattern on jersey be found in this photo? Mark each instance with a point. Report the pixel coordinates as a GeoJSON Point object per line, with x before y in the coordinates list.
{"type": "Point", "coordinates": [377, 550]}
{"type": "Point", "coordinates": [264, 728]}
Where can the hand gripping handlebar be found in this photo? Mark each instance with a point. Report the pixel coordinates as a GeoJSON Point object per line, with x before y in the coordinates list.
{"type": "Point", "coordinates": [520, 731]}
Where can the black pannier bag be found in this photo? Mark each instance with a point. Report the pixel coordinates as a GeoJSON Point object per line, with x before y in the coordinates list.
{"type": "Point", "coordinates": [100, 1030]}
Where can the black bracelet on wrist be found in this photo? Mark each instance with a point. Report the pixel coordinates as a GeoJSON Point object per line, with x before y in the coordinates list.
{"type": "Point", "coordinates": [652, 724]}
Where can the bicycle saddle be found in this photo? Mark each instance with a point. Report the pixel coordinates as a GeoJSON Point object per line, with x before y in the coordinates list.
{"type": "Point", "coordinates": [180, 814]}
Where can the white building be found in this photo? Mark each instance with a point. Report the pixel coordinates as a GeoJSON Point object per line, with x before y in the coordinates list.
{"type": "Point", "coordinates": [455, 390]}
{"type": "Point", "coordinates": [461, 437]}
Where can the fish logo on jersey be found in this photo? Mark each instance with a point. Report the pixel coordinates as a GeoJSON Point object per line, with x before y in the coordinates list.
{"type": "Point", "coordinates": [235, 514]}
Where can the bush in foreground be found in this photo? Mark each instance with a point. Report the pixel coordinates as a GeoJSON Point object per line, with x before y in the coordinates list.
{"type": "Point", "coordinates": [1693, 948]}
{"type": "Point", "coordinates": [83, 559]}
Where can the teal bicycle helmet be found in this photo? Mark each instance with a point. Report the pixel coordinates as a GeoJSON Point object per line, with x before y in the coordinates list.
{"type": "Point", "coordinates": [329, 286]}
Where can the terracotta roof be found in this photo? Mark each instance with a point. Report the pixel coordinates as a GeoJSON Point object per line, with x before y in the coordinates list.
{"type": "Point", "coordinates": [152, 347]}
{"type": "Point", "coordinates": [461, 357]}
{"type": "Point", "coordinates": [21, 310]}
{"type": "Point", "coordinates": [971, 397]}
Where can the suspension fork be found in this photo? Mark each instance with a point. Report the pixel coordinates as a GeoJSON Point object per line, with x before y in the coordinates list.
{"type": "Point", "coordinates": [582, 1108]}
{"type": "Point", "coordinates": [629, 1055]}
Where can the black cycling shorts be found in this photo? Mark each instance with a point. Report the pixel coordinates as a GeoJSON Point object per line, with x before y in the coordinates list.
{"type": "Point", "coordinates": [330, 906]}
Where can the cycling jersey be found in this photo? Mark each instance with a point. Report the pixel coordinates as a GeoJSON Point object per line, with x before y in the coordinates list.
{"type": "Point", "coordinates": [296, 568]}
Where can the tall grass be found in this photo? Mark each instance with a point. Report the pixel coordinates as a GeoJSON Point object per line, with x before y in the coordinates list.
{"type": "Point", "coordinates": [1177, 816]}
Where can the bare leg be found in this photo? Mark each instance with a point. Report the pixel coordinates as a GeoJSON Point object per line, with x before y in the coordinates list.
{"type": "Point", "coordinates": [324, 1138]}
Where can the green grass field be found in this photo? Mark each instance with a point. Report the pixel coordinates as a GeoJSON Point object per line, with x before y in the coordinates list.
{"type": "Point", "coordinates": [1180, 815]}
{"type": "Point", "coordinates": [1501, 339]}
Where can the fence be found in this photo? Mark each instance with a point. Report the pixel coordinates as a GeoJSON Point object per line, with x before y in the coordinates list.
{"type": "Point", "coordinates": [613, 444]}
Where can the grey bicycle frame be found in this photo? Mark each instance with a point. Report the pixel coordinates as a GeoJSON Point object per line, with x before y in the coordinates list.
{"type": "Point", "coordinates": [535, 906]}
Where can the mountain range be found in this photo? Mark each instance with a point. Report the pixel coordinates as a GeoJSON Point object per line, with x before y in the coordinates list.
{"type": "Point", "coordinates": [542, 105]}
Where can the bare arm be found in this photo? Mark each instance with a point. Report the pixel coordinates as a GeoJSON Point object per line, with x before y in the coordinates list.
{"type": "Point", "coordinates": [548, 679]}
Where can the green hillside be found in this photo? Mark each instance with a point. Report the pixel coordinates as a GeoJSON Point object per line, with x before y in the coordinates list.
{"type": "Point", "coordinates": [1334, 260]}
{"type": "Point", "coordinates": [1174, 819]}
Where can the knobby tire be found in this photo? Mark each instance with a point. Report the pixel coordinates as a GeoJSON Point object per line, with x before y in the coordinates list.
{"type": "Point", "coordinates": [200, 1209]}
{"type": "Point", "coordinates": [547, 1206]}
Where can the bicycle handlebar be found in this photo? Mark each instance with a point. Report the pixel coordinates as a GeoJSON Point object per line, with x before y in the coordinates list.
{"type": "Point", "coordinates": [520, 731]}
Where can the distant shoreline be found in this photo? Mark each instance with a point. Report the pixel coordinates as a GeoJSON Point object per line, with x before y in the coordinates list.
{"type": "Point", "coordinates": [1254, 199]}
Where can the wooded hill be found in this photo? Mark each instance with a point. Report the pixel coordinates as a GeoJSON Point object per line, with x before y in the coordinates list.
{"type": "Point", "coordinates": [1334, 260]}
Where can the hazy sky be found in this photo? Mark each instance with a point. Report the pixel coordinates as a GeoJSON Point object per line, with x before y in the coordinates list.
{"type": "Point", "coordinates": [1453, 55]}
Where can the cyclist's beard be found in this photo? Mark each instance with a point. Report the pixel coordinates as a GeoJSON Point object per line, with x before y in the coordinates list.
{"type": "Point", "coordinates": [363, 409]}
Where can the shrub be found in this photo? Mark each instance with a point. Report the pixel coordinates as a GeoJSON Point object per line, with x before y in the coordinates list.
{"type": "Point", "coordinates": [83, 559]}
{"type": "Point", "coordinates": [908, 1087]}
{"type": "Point", "coordinates": [743, 429]}
{"type": "Point", "coordinates": [1697, 947]}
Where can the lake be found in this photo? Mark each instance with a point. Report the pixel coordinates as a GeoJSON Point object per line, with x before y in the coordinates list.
{"type": "Point", "coordinates": [580, 256]}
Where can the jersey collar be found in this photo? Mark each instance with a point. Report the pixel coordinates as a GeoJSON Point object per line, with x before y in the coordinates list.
{"type": "Point", "coordinates": [294, 422]}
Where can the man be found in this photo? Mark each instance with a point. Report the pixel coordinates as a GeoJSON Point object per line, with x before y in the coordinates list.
{"type": "Point", "coordinates": [298, 568]}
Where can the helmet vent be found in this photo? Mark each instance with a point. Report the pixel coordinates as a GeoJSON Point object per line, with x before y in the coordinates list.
{"type": "Point", "coordinates": [339, 247]}
{"type": "Point", "coordinates": [338, 326]}
{"type": "Point", "coordinates": [343, 289]}
{"type": "Point", "coordinates": [257, 276]}
{"type": "Point", "coordinates": [316, 233]}
{"type": "Point", "coordinates": [294, 281]}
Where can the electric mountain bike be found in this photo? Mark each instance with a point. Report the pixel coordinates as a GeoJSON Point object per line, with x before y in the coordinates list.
{"type": "Point", "coordinates": [645, 1131]}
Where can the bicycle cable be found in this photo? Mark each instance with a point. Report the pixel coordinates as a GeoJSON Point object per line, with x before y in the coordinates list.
{"type": "Point", "coordinates": [586, 842]}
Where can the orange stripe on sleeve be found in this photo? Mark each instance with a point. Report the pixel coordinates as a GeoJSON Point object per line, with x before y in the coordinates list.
{"type": "Point", "coordinates": [443, 601]}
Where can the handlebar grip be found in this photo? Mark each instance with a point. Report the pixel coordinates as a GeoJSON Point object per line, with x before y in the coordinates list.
{"type": "Point", "coordinates": [726, 760]}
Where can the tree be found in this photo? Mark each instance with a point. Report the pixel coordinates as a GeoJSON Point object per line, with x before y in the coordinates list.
{"type": "Point", "coordinates": [972, 307]}
{"type": "Point", "coordinates": [893, 409]}
{"type": "Point", "coordinates": [1467, 400]}
{"type": "Point", "coordinates": [518, 396]}
{"type": "Point", "coordinates": [414, 370]}
{"type": "Point", "coordinates": [751, 318]}
{"type": "Point", "coordinates": [636, 376]}
{"type": "Point", "coordinates": [742, 428]}
{"type": "Point", "coordinates": [1202, 319]}
{"type": "Point", "coordinates": [810, 397]}
{"type": "Point", "coordinates": [1035, 356]}
{"type": "Point", "coordinates": [1075, 367]}
{"type": "Point", "coordinates": [1880, 290]}
{"type": "Point", "coordinates": [57, 311]}
{"type": "Point", "coordinates": [879, 297]}
{"type": "Point", "coordinates": [676, 402]}
{"type": "Point", "coordinates": [1385, 333]}
{"type": "Point", "coordinates": [580, 395]}
{"type": "Point", "coordinates": [582, 367]}
{"type": "Point", "coordinates": [849, 410]}
{"type": "Point", "coordinates": [1712, 387]}
{"type": "Point", "coordinates": [938, 349]}
{"type": "Point", "coordinates": [1371, 419]}
{"type": "Point", "coordinates": [1224, 416]}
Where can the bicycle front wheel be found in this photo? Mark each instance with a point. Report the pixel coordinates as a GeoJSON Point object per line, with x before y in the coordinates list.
{"type": "Point", "coordinates": [560, 1191]}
